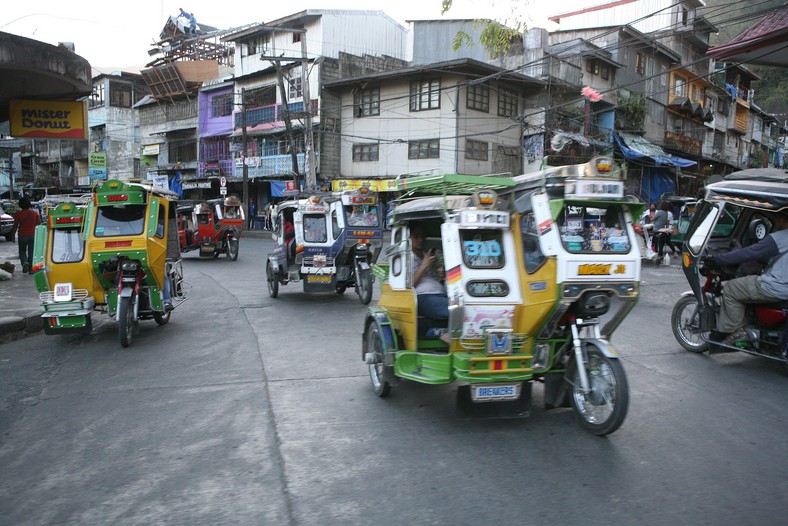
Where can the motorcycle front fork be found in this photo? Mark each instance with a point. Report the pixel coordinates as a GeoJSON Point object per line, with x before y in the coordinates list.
{"type": "Point", "coordinates": [577, 345]}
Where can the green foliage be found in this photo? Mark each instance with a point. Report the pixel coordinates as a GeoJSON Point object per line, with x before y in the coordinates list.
{"type": "Point", "coordinates": [757, 159]}
{"type": "Point", "coordinates": [631, 112]}
{"type": "Point", "coordinates": [495, 36]}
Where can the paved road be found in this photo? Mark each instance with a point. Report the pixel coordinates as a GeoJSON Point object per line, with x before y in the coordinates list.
{"type": "Point", "coordinates": [249, 410]}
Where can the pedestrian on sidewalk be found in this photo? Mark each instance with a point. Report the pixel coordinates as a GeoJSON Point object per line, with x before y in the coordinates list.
{"type": "Point", "coordinates": [25, 221]}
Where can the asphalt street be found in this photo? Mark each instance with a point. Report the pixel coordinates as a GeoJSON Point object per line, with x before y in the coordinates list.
{"type": "Point", "coordinates": [250, 410]}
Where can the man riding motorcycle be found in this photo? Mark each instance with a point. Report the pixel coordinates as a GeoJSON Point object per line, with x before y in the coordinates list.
{"type": "Point", "coordinates": [768, 287]}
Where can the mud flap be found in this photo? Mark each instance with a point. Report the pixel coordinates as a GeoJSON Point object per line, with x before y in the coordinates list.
{"type": "Point", "coordinates": [468, 409]}
{"type": "Point", "coordinates": [556, 391]}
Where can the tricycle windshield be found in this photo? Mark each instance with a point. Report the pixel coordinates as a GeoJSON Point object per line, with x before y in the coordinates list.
{"type": "Point", "coordinates": [315, 228]}
{"type": "Point", "coordinates": [363, 215]}
{"type": "Point", "coordinates": [125, 220]}
{"type": "Point", "coordinates": [67, 245]}
{"type": "Point", "coordinates": [593, 228]}
{"type": "Point", "coordinates": [232, 212]}
{"type": "Point", "coordinates": [703, 222]}
{"type": "Point", "coordinates": [482, 248]}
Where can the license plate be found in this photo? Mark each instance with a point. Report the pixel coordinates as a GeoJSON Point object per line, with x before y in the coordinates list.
{"type": "Point", "coordinates": [62, 292]}
{"type": "Point", "coordinates": [319, 279]}
{"type": "Point", "coordinates": [492, 392]}
{"type": "Point", "coordinates": [208, 248]}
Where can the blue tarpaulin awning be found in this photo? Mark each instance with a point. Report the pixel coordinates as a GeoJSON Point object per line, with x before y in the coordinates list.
{"type": "Point", "coordinates": [635, 147]}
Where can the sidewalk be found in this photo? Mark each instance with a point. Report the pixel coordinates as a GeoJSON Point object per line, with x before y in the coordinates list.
{"type": "Point", "coordinates": [20, 309]}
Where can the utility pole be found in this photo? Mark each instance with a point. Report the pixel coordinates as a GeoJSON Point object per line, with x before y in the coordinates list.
{"type": "Point", "coordinates": [286, 117]}
{"type": "Point", "coordinates": [309, 140]}
{"type": "Point", "coordinates": [245, 202]}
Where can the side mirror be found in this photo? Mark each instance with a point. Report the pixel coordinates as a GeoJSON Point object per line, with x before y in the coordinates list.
{"type": "Point", "coordinates": [274, 237]}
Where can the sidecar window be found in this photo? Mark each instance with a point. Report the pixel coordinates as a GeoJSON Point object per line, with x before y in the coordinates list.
{"type": "Point", "coordinates": [482, 248]}
{"type": "Point", "coordinates": [315, 228]}
{"type": "Point", "coordinates": [593, 229]}
{"type": "Point", "coordinates": [532, 252]}
{"type": "Point", "coordinates": [67, 245]}
{"type": "Point", "coordinates": [121, 220]}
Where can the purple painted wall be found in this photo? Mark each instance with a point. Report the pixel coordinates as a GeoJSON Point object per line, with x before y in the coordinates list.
{"type": "Point", "coordinates": [213, 126]}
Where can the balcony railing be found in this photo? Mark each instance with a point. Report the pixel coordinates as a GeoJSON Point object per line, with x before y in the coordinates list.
{"type": "Point", "coordinates": [271, 114]}
{"type": "Point", "coordinates": [272, 165]}
{"type": "Point", "coordinates": [215, 168]}
{"type": "Point", "coordinates": [683, 143]}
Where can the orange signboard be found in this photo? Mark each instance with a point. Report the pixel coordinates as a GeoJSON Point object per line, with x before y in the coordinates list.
{"type": "Point", "coordinates": [50, 119]}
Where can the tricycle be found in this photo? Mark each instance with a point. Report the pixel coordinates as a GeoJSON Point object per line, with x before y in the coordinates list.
{"type": "Point", "coordinates": [213, 227]}
{"type": "Point", "coordinates": [328, 240]}
{"type": "Point", "coordinates": [539, 270]}
{"type": "Point", "coordinates": [734, 213]}
{"type": "Point", "coordinates": [118, 253]}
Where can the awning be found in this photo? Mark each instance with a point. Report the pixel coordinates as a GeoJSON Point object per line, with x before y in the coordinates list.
{"type": "Point", "coordinates": [635, 147]}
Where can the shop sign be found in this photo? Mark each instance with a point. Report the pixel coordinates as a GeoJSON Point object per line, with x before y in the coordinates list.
{"type": "Point", "coordinates": [151, 149]}
{"type": "Point", "coordinates": [50, 119]}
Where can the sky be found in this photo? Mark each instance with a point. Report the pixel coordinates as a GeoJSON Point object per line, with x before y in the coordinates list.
{"type": "Point", "coordinates": [113, 34]}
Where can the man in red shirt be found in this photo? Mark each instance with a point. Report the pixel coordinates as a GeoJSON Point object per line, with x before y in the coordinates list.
{"type": "Point", "coordinates": [25, 221]}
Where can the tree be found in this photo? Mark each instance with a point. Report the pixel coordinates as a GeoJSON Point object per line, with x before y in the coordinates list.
{"type": "Point", "coordinates": [496, 35]}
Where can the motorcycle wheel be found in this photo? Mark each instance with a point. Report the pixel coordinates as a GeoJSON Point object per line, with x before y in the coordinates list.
{"type": "Point", "coordinates": [603, 410]}
{"type": "Point", "coordinates": [232, 250]}
{"type": "Point", "coordinates": [126, 320]}
{"type": "Point", "coordinates": [685, 328]}
{"type": "Point", "coordinates": [377, 371]}
{"type": "Point", "coordinates": [364, 286]}
{"type": "Point", "coordinates": [273, 280]}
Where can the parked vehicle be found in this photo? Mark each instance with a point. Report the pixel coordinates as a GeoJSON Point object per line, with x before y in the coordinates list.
{"type": "Point", "coordinates": [213, 227]}
{"type": "Point", "coordinates": [733, 213]}
{"type": "Point", "coordinates": [118, 253]}
{"type": "Point", "coordinates": [327, 240]}
{"type": "Point", "coordinates": [6, 223]}
{"type": "Point", "coordinates": [540, 270]}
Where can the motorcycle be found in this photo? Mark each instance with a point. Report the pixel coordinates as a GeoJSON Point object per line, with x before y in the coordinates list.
{"type": "Point", "coordinates": [730, 217]}
{"type": "Point", "coordinates": [213, 227]}
{"type": "Point", "coordinates": [119, 253]}
{"type": "Point", "coordinates": [327, 240]}
{"type": "Point", "coordinates": [540, 269]}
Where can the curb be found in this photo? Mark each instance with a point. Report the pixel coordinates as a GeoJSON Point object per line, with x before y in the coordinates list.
{"type": "Point", "coordinates": [16, 327]}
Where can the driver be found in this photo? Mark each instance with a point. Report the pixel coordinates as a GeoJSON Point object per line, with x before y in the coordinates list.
{"type": "Point", "coordinates": [769, 287]}
{"type": "Point", "coordinates": [432, 300]}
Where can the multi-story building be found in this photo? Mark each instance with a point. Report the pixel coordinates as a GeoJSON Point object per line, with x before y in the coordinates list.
{"type": "Point", "coordinates": [269, 86]}
{"type": "Point", "coordinates": [460, 116]}
{"type": "Point", "coordinates": [114, 144]}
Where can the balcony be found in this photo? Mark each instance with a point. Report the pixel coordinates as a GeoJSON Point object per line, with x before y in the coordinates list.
{"type": "Point", "coordinates": [683, 143]}
{"type": "Point", "coordinates": [215, 168]}
{"type": "Point", "coordinates": [272, 165]}
{"type": "Point", "coordinates": [271, 116]}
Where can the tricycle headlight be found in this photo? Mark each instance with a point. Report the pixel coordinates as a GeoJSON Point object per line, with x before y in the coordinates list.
{"type": "Point", "coordinates": [362, 247]}
{"type": "Point", "coordinates": [130, 266]}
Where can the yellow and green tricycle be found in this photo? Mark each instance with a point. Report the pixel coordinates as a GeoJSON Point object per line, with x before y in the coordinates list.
{"type": "Point", "coordinates": [117, 253]}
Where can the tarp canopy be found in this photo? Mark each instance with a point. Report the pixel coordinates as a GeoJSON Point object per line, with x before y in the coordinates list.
{"type": "Point", "coordinates": [654, 182]}
{"type": "Point", "coordinates": [635, 147]}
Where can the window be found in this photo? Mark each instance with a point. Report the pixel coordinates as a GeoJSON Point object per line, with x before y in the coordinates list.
{"type": "Point", "coordinates": [482, 248]}
{"type": "Point", "coordinates": [476, 150]}
{"type": "Point", "coordinates": [315, 228]}
{"type": "Point", "coordinates": [297, 35]}
{"type": "Point", "coordinates": [604, 72]}
{"type": "Point", "coordinates": [723, 107]}
{"type": "Point", "coordinates": [258, 44]}
{"type": "Point", "coordinates": [651, 67]}
{"type": "Point", "coordinates": [533, 258]}
{"type": "Point", "coordinates": [161, 220]}
{"type": "Point", "coordinates": [365, 152]}
{"type": "Point", "coordinates": [97, 97]}
{"type": "Point", "coordinates": [366, 102]}
{"type": "Point", "coordinates": [119, 95]}
{"type": "Point", "coordinates": [67, 245]}
{"type": "Point", "coordinates": [640, 64]}
{"type": "Point", "coordinates": [126, 220]}
{"type": "Point", "coordinates": [362, 215]}
{"type": "Point", "coordinates": [663, 75]}
{"type": "Point", "coordinates": [507, 103]}
{"type": "Point", "coordinates": [591, 229]}
{"type": "Point", "coordinates": [336, 230]}
{"type": "Point", "coordinates": [426, 149]}
{"type": "Point", "coordinates": [296, 90]}
{"type": "Point", "coordinates": [679, 86]}
{"type": "Point", "coordinates": [425, 95]}
{"type": "Point", "coordinates": [262, 96]}
{"type": "Point", "coordinates": [222, 105]}
{"type": "Point", "coordinates": [478, 98]}
{"type": "Point", "coordinates": [695, 94]}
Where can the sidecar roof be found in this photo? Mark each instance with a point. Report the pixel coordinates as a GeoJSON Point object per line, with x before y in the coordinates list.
{"type": "Point", "coordinates": [769, 196]}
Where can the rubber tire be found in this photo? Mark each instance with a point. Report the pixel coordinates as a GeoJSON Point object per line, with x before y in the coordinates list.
{"type": "Point", "coordinates": [273, 280]}
{"type": "Point", "coordinates": [162, 317]}
{"type": "Point", "coordinates": [377, 371]}
{"type": "Point", "coordinates": [341, 287]}
{"type": "Point", "coordinates": [9, 237]}
{"type": "Point", "coordinates": [232, 250]}
{"type": "Point", "coordinates": [675, 324]}
{"type": "Point", "coordinates": [364, 286]}
{"type": "Point", "coordinates": [126, 320]}
{"type": "Point", "coordinates": [619, 392]}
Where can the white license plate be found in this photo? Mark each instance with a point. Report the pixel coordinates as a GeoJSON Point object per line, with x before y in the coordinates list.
{"type": "Point", "coordinates": [62, 292]}
{"type": "Point", "coordinates": [489, 392]}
